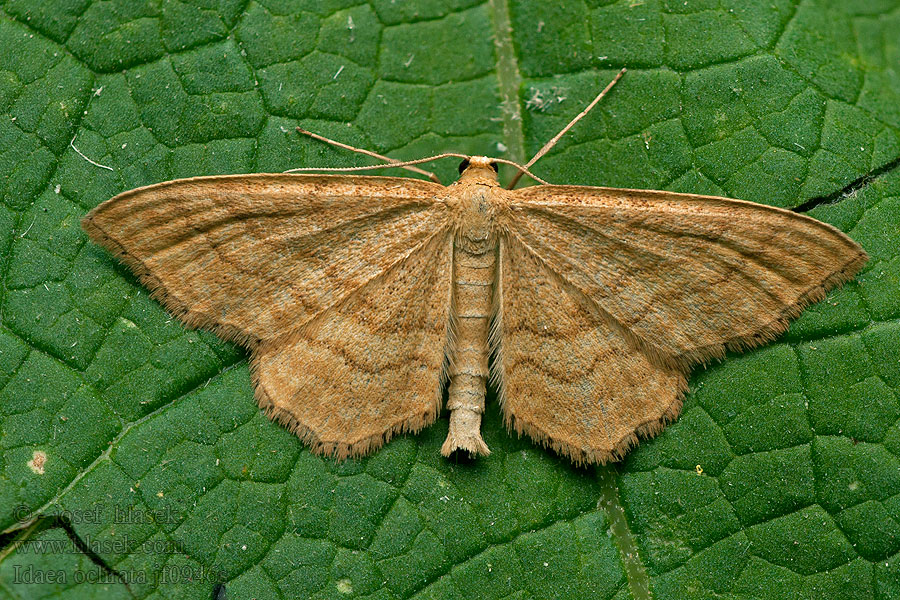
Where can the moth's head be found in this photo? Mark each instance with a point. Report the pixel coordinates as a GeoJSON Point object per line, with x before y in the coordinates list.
{"type": "Point", "coordinates": [478, 169]}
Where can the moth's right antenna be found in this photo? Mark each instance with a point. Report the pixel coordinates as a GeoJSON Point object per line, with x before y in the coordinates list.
{"type": "Point", "coordinates": [556, 137]}
{"type": "Point", "coordinates": [390, 161]}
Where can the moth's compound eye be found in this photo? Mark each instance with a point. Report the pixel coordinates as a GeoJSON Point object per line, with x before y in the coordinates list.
{"type": "Point", "coordinates": [495, 166]}
{"type": "Point", "coordinates": [463, 166]}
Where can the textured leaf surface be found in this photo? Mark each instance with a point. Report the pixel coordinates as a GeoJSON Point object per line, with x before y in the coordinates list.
{"type": "Point", "coordinates": [780, 480]}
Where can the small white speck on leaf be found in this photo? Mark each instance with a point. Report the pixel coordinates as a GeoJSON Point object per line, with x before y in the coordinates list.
{"type": "Point", "coordinates": [541, 100]}
{"type": "Point", "coordinates": [37, 462]}
{"type": "Point", "coordinates": [24, 233]}
{"type": "Point", "coordinates": [81, 154]}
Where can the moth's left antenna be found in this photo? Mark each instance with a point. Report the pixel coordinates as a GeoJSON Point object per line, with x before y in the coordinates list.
{"type": "Point", "coordinates": [386, 159]}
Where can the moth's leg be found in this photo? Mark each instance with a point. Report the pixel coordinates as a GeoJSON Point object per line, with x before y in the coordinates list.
{"type": "Point", "coordinates": [473, 281]}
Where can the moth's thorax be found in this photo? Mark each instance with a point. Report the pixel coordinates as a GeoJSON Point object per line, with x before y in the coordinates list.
{"type": "Point", "coordinates": [476, 198]}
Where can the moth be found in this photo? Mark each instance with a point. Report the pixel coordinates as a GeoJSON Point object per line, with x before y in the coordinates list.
{"type": "Point", "coordinates": [361, 297]}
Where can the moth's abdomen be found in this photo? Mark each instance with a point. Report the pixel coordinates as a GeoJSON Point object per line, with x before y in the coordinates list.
{"type": "Point", "coordinates": [473, 280]}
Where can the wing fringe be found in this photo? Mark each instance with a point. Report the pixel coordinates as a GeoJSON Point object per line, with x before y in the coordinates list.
{"type": "Point", "coordinates": [773, 329]}
{"type": "Point", "coordinates": [583, 457]}
{"type": "Point", "coordinates": [159, 292]}
{"type": "Point", "coordinates": [338, 450]}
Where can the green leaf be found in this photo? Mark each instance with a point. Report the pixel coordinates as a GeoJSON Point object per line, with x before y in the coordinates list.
{"type": "Point", "coordinates": [131, 449]}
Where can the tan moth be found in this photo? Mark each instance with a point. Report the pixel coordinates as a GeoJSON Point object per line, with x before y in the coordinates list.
{"type": "Point", "coordinates": [360, 297]}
